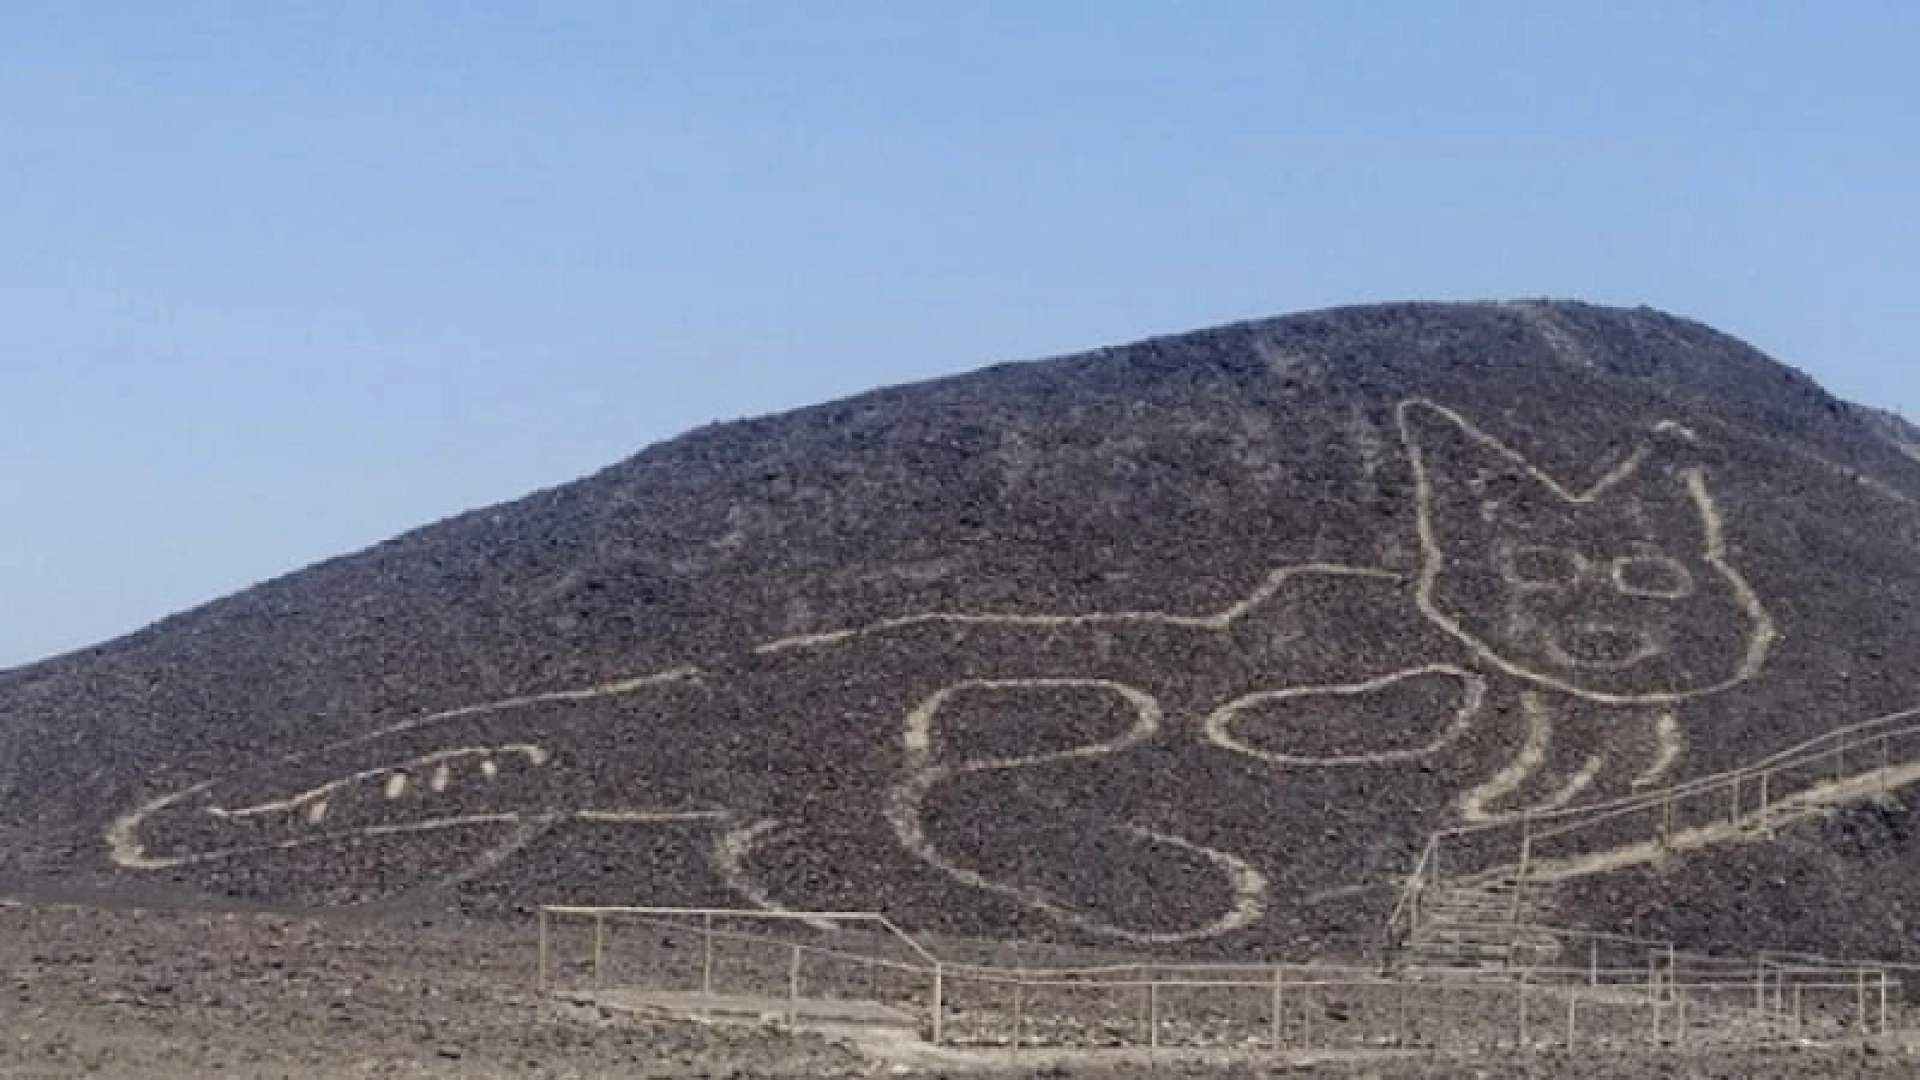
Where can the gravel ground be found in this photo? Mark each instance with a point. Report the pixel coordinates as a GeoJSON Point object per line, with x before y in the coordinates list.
{"type": "Point", "coordinates": [105, 992]}
{"type": "Point", "coordinates": [92, 992]}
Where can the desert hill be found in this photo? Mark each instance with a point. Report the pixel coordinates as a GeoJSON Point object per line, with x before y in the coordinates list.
{"type": "Point", "coordinates": [1188, 643]}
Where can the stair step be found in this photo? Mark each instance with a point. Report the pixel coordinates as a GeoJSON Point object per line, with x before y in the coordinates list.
{"type": "Point", "coordinates": [1489, 941]}
{"type": "Point", "coordinates": [1480, 927]}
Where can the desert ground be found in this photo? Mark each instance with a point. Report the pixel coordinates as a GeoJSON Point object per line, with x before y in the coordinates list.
{"type": "Point", "coordinates": [92, 989]}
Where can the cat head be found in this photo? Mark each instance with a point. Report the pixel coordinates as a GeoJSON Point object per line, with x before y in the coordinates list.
{"type": "Point", "coordinates": [1621, 592]}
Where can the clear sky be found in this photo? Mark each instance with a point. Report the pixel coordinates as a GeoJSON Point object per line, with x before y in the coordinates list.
{"type": "Point", "coordinates": [279, 280]}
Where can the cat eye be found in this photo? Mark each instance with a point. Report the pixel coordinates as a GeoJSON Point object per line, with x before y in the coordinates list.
{"type": "Point", "coordinates": [1654, 576]}
{"type": "Point", "coordinates": [1538, 566]}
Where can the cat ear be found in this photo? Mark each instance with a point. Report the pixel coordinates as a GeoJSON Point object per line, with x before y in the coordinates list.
{"type": "Point", "coordinates": [1459, 468]}
{"type": "Point", "coordinates": [1455, 460]}
{"type": "Point", "coordinates": [1469, 482]}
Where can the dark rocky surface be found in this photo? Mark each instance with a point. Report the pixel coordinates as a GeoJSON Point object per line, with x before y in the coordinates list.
{"type": "Point", "coordinates": [1836, 885]}
{"type": "Point", "coordinates": [176, 995]}
{"type": "Point", "coordinates": [1211, 694]}
{"type": "Point", "coordinates": [180, 995]}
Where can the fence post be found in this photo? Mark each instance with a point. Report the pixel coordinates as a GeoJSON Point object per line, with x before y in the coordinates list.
{"type": "Point", "coordinates": [543, 949]}
{"type": "Point", "coordinates": [793, 987]}
{"type": "Point", "coordinates": [1653, 991]}
{"type": "Point", "coordinates": [1863, 1002]}
{"type": "Point", "coordinates": [1523, 1008]}
{"type": "Point", "coordinates": [1572, 993]}
{"type": "Point", "coordinates": [1019, 1005]}
{"type": "Point", "coordinates": [1673, 990]}
{"type": "Point", "coordinates": [1733, 801]}
{"type": "Point", "coordinates": [599, 950]}
{"type": "Point", "coordinates": [1798, 1021]}
{"type": "Point", "coordinates": [706, 953]}
{"type": "Point", "coordinates": [1766, 779]}
{"type": "Point", "coordinates": [1279, 997]}
{"type": "Point", "coordinates": [1679, 1012]}
{"type": "Point", "coordinates": [1153, 1012]}
{"type": "Point", "coordinates": [939, 1006]}
{"type": "Point", "coordinates": [1883, 1002]}
{"type": "Point", "coordinates": [1520, 882]}
{"type": "Point", "coordinates": [1593, 962]}
{"type": "Point", "coordinates": [1401, 1032]}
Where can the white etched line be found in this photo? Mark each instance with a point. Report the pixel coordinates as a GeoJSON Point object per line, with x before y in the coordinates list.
{"type": "Point", "coordinates": [133, 856]}
{"type": "Point", "coordinates": [1533, 754]}
{"type": "Point", "coordinates": [649, 817]}
{"type": "Point", "coordinates": [1669, 745]}
{"type": "Point", "coordinates": [1569, 791]}
{"type": "Point", "coordinates": [1219, 726]}
{"type": "Point", "coordinates": [1247, 885]}
{"type": "Point", "coordinates": [731, 852]}
{"type": "Point", "coordinates": [1761, 637]}
{"type": "Point", "coordinates": [1221, 620]}
{"type": "Point", "coordinates": [534, 755]}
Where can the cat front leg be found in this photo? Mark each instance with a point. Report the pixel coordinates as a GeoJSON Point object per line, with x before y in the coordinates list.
{"type": "Point", "coordinates": [1575, 753]}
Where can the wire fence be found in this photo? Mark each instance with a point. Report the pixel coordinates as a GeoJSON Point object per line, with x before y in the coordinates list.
{"type": "Point", "coordinates": [785, 967]}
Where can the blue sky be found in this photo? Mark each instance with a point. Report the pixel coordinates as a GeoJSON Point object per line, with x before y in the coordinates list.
{"type": "Point", "coordinates": [280, 280]}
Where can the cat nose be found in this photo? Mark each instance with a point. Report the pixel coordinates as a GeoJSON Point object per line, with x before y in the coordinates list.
{"type": "Point", "coordinates": [1602, 646]}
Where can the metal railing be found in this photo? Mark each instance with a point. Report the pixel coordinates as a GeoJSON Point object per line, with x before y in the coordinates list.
{"type": "Point", "coordinates": [1842, 765]}
{"type": "Point", "coordinates": [701, 959]}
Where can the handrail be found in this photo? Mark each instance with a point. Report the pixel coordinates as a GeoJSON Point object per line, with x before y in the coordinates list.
{"type": "Point", "coordinates": [1854, 735]}
{"type": "Point", "coordinates": [1572, 819]}
{"type": "Point", "coordinates": [1828, 746]}
{"type": "Point", "coordinates": [1668, 973]}
{"type": "Point", "coordinates": [1576, 818]}
{"type": "Point", "coordinates": [872, 917]}
{"type": "Point", "coordinates": [1407, 908]}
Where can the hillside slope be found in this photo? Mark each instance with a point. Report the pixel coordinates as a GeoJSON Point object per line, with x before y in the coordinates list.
{"type": "Point", "coordinates": [1186, 643]}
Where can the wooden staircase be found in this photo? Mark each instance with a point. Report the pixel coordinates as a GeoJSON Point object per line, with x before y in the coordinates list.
{"type": "Point", "coordinates": [1479, 926]}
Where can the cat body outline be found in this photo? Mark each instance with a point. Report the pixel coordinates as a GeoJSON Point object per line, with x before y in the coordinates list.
{"type": "Point", "coordinates": [1580, 626]}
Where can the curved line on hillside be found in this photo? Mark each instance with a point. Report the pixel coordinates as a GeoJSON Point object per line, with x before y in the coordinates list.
{"type": "Point", "coordinates": [1246, 884]}
{"type": "Point", "coordinates": [731, 851]}
{"type": "Point", "coordinates": [1434, 560]}
{"type": "Point", "coordinates": [1269, 587]}
{"type": "Point", "coordinates": [1219, 723]}
{"type": "Point", "coordinates": [1532, 757]}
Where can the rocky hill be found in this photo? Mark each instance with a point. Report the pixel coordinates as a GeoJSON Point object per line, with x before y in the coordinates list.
{"type": "Point", "coordinates": [1188, 643]}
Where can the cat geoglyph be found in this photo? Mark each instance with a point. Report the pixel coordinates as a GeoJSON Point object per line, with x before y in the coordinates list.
{"type": "Point", "coordinates": [1598, 612]}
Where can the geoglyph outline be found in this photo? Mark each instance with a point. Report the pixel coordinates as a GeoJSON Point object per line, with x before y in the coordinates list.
{"type": "Point", "coordinates": [1433, 555]}
{"type": "Point", "coordinates": [738, 835]}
